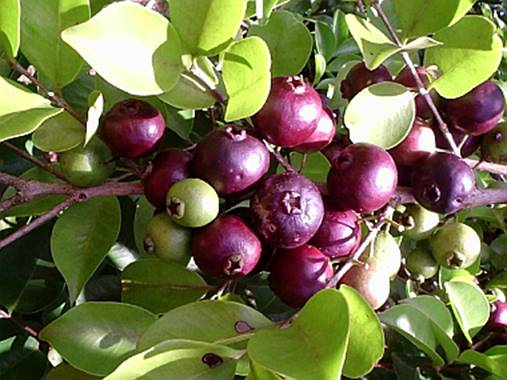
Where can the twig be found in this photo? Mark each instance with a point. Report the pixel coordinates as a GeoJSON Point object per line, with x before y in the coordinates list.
{"type": "Point", "coordinates": [487, 166]}
{"type": "Point", "coordinates": [27, 329]}
{"type": "Point", "coordinates": [420, 85]}
{"type": "Point", "coordinates": [278, 157]}
{"type": "Point", "coordinates": [195, 75]}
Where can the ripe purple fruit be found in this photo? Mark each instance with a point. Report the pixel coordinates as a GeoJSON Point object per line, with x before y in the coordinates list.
{"type": "Point", "coordinates": [299, 273]}
{"type": "Point", "coordinates": [498, 317]}
{"type": "Point", "coordinates": [322, 136]}
{"type": "Point", "coordinates": [442, 182]}
{"type": "Point", "coordinates": [230, 160]}
{"type": "Point", "coordinates": [406, 78]}
{"type": "Point", "coordinates": [362, 178]}
{"type": "Point", "coordinates": [359, 77]}
{"type": "Point", "coordinates": [469, 147]}
{"type": "Point", "coordinates": [339, 234]}
{"type": "Point", "coordinates": [168, 167]}
{"type": "Point", "coordinates": [226, 248]}
{"type": "Point", "coordinates": [478, 111]}
{"type": "Point", "coordinates": [419, 144]}
{"type": "Point", "coordinates": [287, 210]}
{"type": "Point", "coordinates": [132, 128]}
{"type": "Point", "coordinates": [290, 114]}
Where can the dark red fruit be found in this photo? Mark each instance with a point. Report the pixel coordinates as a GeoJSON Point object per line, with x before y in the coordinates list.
{"type": "Point", "coordinates": [359, 77]}
{"type": "Point", "coordinates": [339, 234]}
{"type": "Point", "coordinates": [322, 136]}
{"type": "Point", "coordinates": [230, 160]}
{"type": "Point", "coordinates": [498, 317]}
{"type": "Point", "coordinates": [418, 145]}
{"type": "Point", "coordinates": [132, 128]}
{"type": "Point", "coordinates": [226, 248]}
{"type": "Point", "coordinates": [287, 210]}
{"type": "Point", "coordinates": [468, 148]}
{"type": "Point", "coordinates": [406, 78]}
{"type": "Point", "coordinates": [340, 142]}
{"type": "Point", "coordinates": [442, 183]}
{"type": "Point", "coordinates": [405, 175]}
{"type": "Point", "coordinates": [290, 114]}
{"type": "Point", "coordinates": [168, 167]}
{"type": "Point", "coordinates": [299, 273]}
{"type": "Point", "coordinates": [478, 111]}
{"type": "Point", "coordinates": [362, 178]}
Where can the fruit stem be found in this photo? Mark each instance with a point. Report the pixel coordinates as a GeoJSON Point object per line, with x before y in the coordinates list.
{"type": "Point", "coordinates": [278, 157]}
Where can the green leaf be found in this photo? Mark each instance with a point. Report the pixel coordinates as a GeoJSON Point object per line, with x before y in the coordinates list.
{"type": "Point", "coordinates": [499, 247]}
{"type": "Point", "coordinates": [391, 113]}
{"type": "Point", "coordinates": [207, 27]}
{"type": "Point", "coordinates": [145, 43]}
{"type": "Point", "coordinates": [59, 134]}
{"type": "Point", "coordinates": [258, 372]}
{"type": "Point", "coordinates": [10, 25]}
{"type": "Point", "coordinates": [340, 28]}
{"type": "Point", "coordinates": [366, 339]}
{"type": "Point", "coordinates": [41, 43]}
{"type": "Point", "coordinates": [97, 336]}
{"type": "Point", "coordinates": [144, 212]}
{"type": "Point", "coordinates": [179, 359]}
{"type": "Point", "coordinates": [470, 54]}
{"type": "Point", "coordinates": [325, 40]}
{"type": "Point", "coordinates": [320, 68]}
{"type": "Point", "coordinates": [487, 361]}
{"type": "Point", "coordinates": [206, 321]}
{"type": "Point", "coordinates": [315, 166]}
{"type": "Point", "coordinates": [81, 238]}
{"type": "Point", "coordinates": [421, 43]}
{"type": "Point", "coordinates": [188, 94]}
{"type": "Point", "coordinates": [160, 286]}
{"type": "Point", "coordinates": [21, 111]}
{"type": "Point", "coordinates": [499, 281]}
{"type": "Point", "coordinates": [180, 122]}
{"type": "Point", "coordinates": [66, 372]}
{"type": "Point", "coordinates": [469, 305]}
{"type": "Point", "coordinates": [289, 41]}
{"type": "Point", "coordinates": [95, 111]}
{"type": "Point", "coordinates": [246, 76]}
{"type": "Point", "coordinates": [422, 17]}
{"type": "Point", "coordinates": [314, 345]}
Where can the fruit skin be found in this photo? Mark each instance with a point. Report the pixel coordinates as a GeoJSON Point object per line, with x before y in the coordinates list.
{"type": "Point", "coordinates": [339, 234]}
{"type": "Point", "coordinates": [363, 178]}
{"type": "Point", "coordinates": [386, 253]}
{"type": "Point", "coordinates": [290, 114]}
{"type": "Point", "coordinates": [478, 111]}
{"type": "Point", "coordinates": [226, 248]}
{"type": "Point", "coordinates": [370, 280]}
{"type": "Point", "coordinates": [498, 317]}
{"type": "Point", "coordinates": [420, 262]}
{"type": "Point", "coordinates": [299, 273]}
{"type": "Point", "coordinates": [322, 136]}
{"type": "Point", "coordinates": [359, 77]}
{"type": "Point", "coordinates": [456, 246]}
{"type": "Point", "coordinates": [494, 145]}
{"type": "Point", "coordinates": [420, 222]}
{"type": "Point", "coordinates": [168, 240]}
{"type": "Point", "coordinates": [132, 128]}
{"type": "Point", "coordinates": [406, 78]}
{"type": "Point", "coordinates": [442, 182]}
{"type": "Point", "coordinates": [418, 145]}
{"type": "Point", "coordinates": [87, 165]}
{"type": "Point", "coordinates": [230, 160]}
{"type": "Point", "coordinates": [287, 210]}
{"type": "Point", "coordinates": [192, 202]}
{"type": "Point", "coordinates": [469, 147]}
{"type": "Point", "coordinates": [168, 167]}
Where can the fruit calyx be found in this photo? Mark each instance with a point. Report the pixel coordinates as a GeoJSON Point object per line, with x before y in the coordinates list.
{"type": "Point", "coordinates": [235, 133]}
{"type": "Point", "coordinates": [176, 208]}
{"type": "Point", "coordinates": [233, 265]}
{"type": "Point", "coordinates": [292, 202]}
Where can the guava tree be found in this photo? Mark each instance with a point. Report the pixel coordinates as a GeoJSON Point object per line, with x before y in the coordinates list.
{"type": "Point", "coordinates": [253, 189]}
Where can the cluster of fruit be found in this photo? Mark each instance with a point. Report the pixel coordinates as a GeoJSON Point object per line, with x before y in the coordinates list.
{"type": "Point", "coordinates": [309, 226]}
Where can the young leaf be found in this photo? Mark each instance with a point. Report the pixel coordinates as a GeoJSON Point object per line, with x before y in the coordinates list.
{"type": "Point", "coordinates": [21, 111]}
{"type": "Point", "coordinates": [41, 43]}
{"type": "Point", "coordinates": [289, 41]}
{"type": "Point", "coordinates": [10, 26]}
{"type": "Point", "coordinates": [97, 336]}
{"type": "Point", "coordinates": [66, 372]}
{"type": "Point", "coordinates": [96, 101]}
{"type": "Point", "coordinates": [207, 27]}
{"type": "Point", "coordinates": [247, 77]}
{"type": "Point", "coordinates": [470, 53]}
{"type": "Point", "coordinates": [131, 47]}
{"type": "Point", "coordinates": [381, 114]}
{"type": "Point", "coordinates": [188, 94]}
{"type": "Point", "coordinates": [314, 345]}
{"type": "Point", "coordinates": [320, 68]}
{"type": "Point", "coordinates": [59, 134]}
{"type": "Point", "coordinates": [81, 238]}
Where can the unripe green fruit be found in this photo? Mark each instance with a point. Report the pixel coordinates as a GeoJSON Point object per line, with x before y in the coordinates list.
{"type": "Point", "coordinates": [494, 145]}
{"type": "Point", "coordinates": [420, 262]}
{"type": "Point", "coordinates": [456, 246]}
{"type": "Point", "coordinates": [386, 252]}
{"type": "Point", "coordinates": [87, 165]}
{"type": "Point", "coordinates": [421, 222]}
{"type": "Point", "coordinates": [168, 240]}
{"type": "Point", "coordinates": [192, 203]}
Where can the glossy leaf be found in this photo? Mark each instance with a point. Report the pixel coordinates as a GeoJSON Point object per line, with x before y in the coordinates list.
{"type": "Point", "coordinates": [95, 111]}
{"type": "Point", "coordinates": [188, 94]}
{"type": "Point", "coordinates": [179, 121]}
{"type": "Point", "coordinates": [150, 61]}
{"type": "Point", "coordinates": [313, 346]}
{"type": "Point", "coordinates": [81, 238]}
{"type": "Point", "coordinates": [41, 43]}
{"type": "Point", "coordinates": [391, 113]}
{"type": "Point", "coordinates": [314, 166]}
{"type": "Point", "coordinates": [59, 134]}
{"type": "Point", "coordinates": [97, 336]}
{"type": "Point", "coordinates": [66, 372]}
{"type": "Point", "coordinates": [325, 40]}
{"type": "Point", "coordinates": [10, 25]}
{"type": "Point", "coordinates": [160, 286]}
{"type": "Point", "coordinates": [489, 361]}
{"type": "Point", "coordinates": [247, 77]}
{"type": "Point", "coordinates": [144, 212]}
{"type": "Point", "coordinates": [258, 372]}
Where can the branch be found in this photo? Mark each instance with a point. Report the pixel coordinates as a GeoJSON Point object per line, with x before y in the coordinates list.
{"type": "Point", "coordinates": [420, 85]}
{"type": "Point", "coordinates": [487, 166]}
